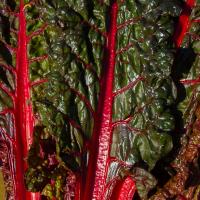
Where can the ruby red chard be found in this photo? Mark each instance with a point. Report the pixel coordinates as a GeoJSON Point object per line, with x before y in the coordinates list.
{"type": "Point", "coordinates": [102, 100]}
{"type": "Point", "coordinates": [108, 97]}
{"type": "Point", "coordinates": [17, 118]}
{"type": "Point", "coordinates": [184, 184]}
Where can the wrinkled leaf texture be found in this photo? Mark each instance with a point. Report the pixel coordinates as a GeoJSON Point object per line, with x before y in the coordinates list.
{"type": "Point", "coordinates": [76, 46]}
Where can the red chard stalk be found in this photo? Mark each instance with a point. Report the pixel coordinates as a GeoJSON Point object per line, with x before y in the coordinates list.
{"type": "Point", "coordinates": [107, 106]}
{"type": "Point", "coordinates": [124, 189]}
{"type": "Point", "coordinates": [186, 64]}
{"type": "Point", "coordinates": [17, 132]}
{"type": "Point", "coordinates": [99, 99]}
{"type": "Point", "coordinates": [102, 133]}
{"type": "Point", "coordinates": [22, 106]}
{"type": "Point", "coordinates": [184, 22]}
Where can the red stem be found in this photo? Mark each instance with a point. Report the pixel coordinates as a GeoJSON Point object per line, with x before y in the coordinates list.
{"type": "Point", "coordinates": [37, 59]}
{"type": "Point", "coordinates": [10, 48]}
{"type": "Point", "coordinates": [9, 68]}
{"type": "Point", "coordinates": [190, 81]}
{"type": "Point", "coordinates": [102, 133]}
{"type": "Point", "coordinates": [127, 87]}
{"type": "Point", "coordinates": [124, 49]}
{"type": "Point", "coordinates": [85, 100]}
{"type": "Point", "coordinates": [95, 28]}
{"type": "Point", "coordinates": [196, 21]}
{"type": "Point", "coordinates": [87, 66]}
{"type": "Point", "coordinates": [6, 111]}
{"type": "Point", "coordinates": [38, 82]}
{"type": "Point", "coordinates": [77, 189]}
{"type": "Point", "coordinates": [124, 190]}
{"type": "Point", "coordinates": [23, 110]}
{"type": "Point", "coordinates": [7, 91]}
{"type": "Point", "coordinates": [128, 22]}
{"type": "Point", "coordinates": [184, 23]}
{"type": "Point", "coordinates": [37, 32]}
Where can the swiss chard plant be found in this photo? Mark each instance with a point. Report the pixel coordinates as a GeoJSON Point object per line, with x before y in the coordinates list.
{"type": "Point", "coordinates": [17, 118]}
{"type": "Point", "coordinates": [184, 181]}
{"type": "Point", "coordinates": [98, 98]}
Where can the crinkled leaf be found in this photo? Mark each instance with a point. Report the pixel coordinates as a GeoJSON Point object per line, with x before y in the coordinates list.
{"type": "Point", "coordinates": [144, 182]}
{"type": "Point", "coordinates": [75, 43]}
{"type": "Point", "coordinates": [153, 146]}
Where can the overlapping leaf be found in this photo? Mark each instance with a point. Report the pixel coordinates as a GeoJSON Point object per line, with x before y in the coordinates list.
{"type": "Point", "coordinates": [75, 44]}
{"type": "Point", "coordinates": [7, 39]}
